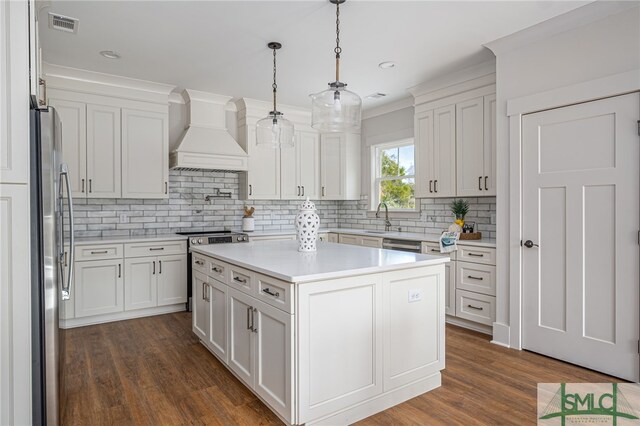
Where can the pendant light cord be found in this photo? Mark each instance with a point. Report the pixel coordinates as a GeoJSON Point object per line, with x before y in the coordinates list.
{"type": "Point", "coordinates": [274, 85]}
{"type": "Point", "coordinates": [338, 49]}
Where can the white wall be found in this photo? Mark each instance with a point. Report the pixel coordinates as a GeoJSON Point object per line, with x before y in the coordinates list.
{"type": "Point", "coordinates": [607, 45]}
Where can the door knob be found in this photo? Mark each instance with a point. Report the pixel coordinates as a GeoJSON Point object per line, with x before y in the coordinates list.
{"type": "Point", "coordinates": [529, 244]}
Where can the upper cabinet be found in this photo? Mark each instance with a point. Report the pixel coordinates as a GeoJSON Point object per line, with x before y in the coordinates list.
{"type": "Point", "coordinates": [340, 155]}
{"type": "Point", "coordinates": [73, 116]}
{"type": "Point", "coordinates": [103, 151]}
{"type": "Point", "coordinates": [261, 181]}
{"type": "Point", "coordinates": [455, 139]}
{"type": "Point", "coordinates": [300, 167]}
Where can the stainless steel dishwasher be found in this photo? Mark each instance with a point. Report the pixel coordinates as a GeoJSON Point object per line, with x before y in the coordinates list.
{"type": "Point", "coordinates": [402, 245]}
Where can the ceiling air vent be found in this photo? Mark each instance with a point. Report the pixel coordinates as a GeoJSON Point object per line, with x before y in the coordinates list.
{"type": "Point", "coordinates": [63, 23]}
{"type": "Point", "coordinates": [376, 95]}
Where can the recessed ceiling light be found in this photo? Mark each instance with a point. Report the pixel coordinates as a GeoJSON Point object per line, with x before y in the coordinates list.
{"type": "Point", "coordinates": [376, 95]}
{"type": "Point", "coordinates": [110, 54]}
{"type": "Point", "coordinates": [386, 65]}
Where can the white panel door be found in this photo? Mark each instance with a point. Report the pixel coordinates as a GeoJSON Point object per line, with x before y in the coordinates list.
{"type": "Point", "coordinates": [490, 150]}
{"type": "Point", "coordinates": [103, 152]}
{"type": "Point", "coordinates": [99, 287]}
{"type": "Point", "coordinates": [581, 205]}
{"type": "Point", "coordinates": [172, 277]}
{"type": "Point", "coordinates": [73, 116]}
{"type": "Point", "coordinates": [289, 184]}
{"type": "Point", "coordinates": [263, 177]}
{"type": "Point", "coordinates": [444, 152]}
{"type": "Point", "coordinates": [200, 305]}
{"type": "Point", "coordinates": [241, 341]}
{"type": "Point", "coordinates": [423, 128]}
{"type": "Point", "coordinates": [218, 316]}
{"type": "Point", "coordinates": [470, 147]}
{"type": "Point", "coordinates": [308, 147]}
{"type": "Point", "coordinates": [332, 148]}
{"type": "Point", "coordinates": [274, 353]}
{"type": "Point", "coordinates": [140, 283]}
{"type": "Point", "coordinates": [145, 154]}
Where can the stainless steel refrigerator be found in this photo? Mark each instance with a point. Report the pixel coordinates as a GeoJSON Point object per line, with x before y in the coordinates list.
{"type": "Point", "coordinates": [51, 206]}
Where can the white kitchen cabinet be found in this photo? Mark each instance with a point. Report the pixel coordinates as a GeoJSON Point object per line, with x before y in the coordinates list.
{"type": "Point", "coordinates": [340, 166]}
{"type": "Point", "coordinates": [145, 154]}
{"type": "Point", "coordinates": [360, 240]}
{"type": "Point", "coordinates": [423, 149]}
{"type": "Point", "coordinates": [241, 340]}
{"type": "Point", "coordinates": [333, 237]}
{"type": "Point", "coordinates": [141, 289]}
{"type": "Point", "coordinates": [217, 341]}
{"type": "Point", "coordinates": [476, 142]}
{"type": "Point", "coordinates": [73, 116]}
{"type": "Point", "coordinates": [103, 151]}
{"type": "Point", "coordinates": [99, 287]}
{"type": "Point", "coordinates": [201, 308]}
{"type": "Point", "coordinates": [172, 271]}
{"type": "Point", "coordinates": [262, 180]}
{"type": "Point", "coordinates": [349, 239]}
{"type": "Point", "coordinates": [300, 167]}
{"type": "Point", "coordinates": [449, 276]}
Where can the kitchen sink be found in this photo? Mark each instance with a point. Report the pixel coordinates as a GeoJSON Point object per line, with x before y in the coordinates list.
{"type": "Point", "coordinates": [376, 232]}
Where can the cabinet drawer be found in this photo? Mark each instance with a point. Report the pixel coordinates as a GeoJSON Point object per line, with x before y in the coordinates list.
{"type": "Point", "coordinates": [275, 292]}
{"type": "Point", "coordinates": [475, 307]}
{"type": "Point", "coordinates": [158, 248]}
{"type": "Point", "coordinates": [371, 242]}
{"type": "Point", "coordinates": [434, 250]}
{"type": "Point", "coordinates": [476, 277]}
{"type": "Point", "coordinates": [217, 270]}
{"type": "Point", "coordinates": [98, 252]}
{"type": "Point", "coordinates": [477, 254]}
{"type": "Point", "coordinates": [199, 263]}
{"type": "Point", "coordinates": [349, 239]}
{"type": "Point", "coordinates": [241, 279]}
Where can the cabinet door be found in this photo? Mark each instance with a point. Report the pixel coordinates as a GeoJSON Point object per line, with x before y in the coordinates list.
{"type": "Point", "coordinates": [274, 352]}
{"type": "Point", "coordinates": [218, 315]}
{"type": "Point", "coordinates": [450, 288]}
{"type": "Point", "coordinates": [103, 152]}
{"type": "Point", "coordinates": [349, 239]}
{"type": "Point", "coordinates": [200, 306]}
{"type": "Point", "coordinates": [490, 152]}
{"type": "Point", "coordinates": [99, 287]}
{"type": "Point", "coordinates": [241, 341]}
{"type": "Point", "coordinates": [332, 147]}
{"type": "Point", "coordinates": [289, 184]}
{"type": "Point", "coordinates": [470, 147]}
{"type": "Point", "coordinates": [371, 242]}
{"type": "Point", "coordinates": [172, 278]}
{"type": "Point", "coordinates": [73, 116]}
{"type": "Point", "coordinates": [140, 283]}
{"type": "Point", "coordinates": [444, 152]}
{"type": "Point", "coordinates": [145, 154]}
{"type": "Point", "coordinates": [423, 129]}
{"type": "Point", "coordinates": [308, 147]}
{"type": "Point", "coordinates": [263, 177]}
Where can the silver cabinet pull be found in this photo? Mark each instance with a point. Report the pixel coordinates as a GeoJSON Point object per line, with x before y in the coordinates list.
{"type": "Point", "coordinates": [160, 266]}
{"type": "Point", "coordinates": [207, 287]}
{"type": "Point", "coordinates": [156, 248]}
{"type": "Point", "coordinates": [249, 318]}
{"type": "Point", "coordinates": [298, 190]}
{"type": "Point", "coordinates": [253, 326]}
{"type": "Point", "coordinates": [435, 250]}
{"type": "Point", "coordinates": [435, 185]}
{"type": "Point", "coordinates": [323, 191]}
{"type": "Point", "coordinates": [199, 262]}
{"type": "Point", "coordinates": [250, 190]}
{"type": "Point", "coordinates": [486, 187]}
{"type": "Point", "coordinates": [82, 186]}
{"type": "Point", "coordinates": [475, 307]}
{"type": "Point", "coordinates": [475, 255]}
{"type": "Point", "coordinates": [203, 291]}
{"type": "Point", "coordinates": [270, 293]}
{"type": "Point", "coordinates": [154, 267]}
{"type": "Point", "coordinates": [119, 270]}
{"type": "Point", "coordinates": [475, 278]}
{"type": "Point", "coordinates": [302, 190]}
{"type": "Point", "coordinates": [240, 280]}
{"type": "Point", "coordinates": [431, 186]}
{"type": "Point", "coordinates": [480, 183]}
{"type": "Point", "coordinates": [216, 269]}
{"type": "Point", "coordinates": [99, 252]}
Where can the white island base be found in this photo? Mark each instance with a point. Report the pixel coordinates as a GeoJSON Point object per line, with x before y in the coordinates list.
{"type": "Point", "coordinates": [325, 338]}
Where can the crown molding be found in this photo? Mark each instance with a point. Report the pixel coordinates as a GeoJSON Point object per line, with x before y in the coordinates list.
{"type": "Point", "coordinates": [257, 109]}
{"type": "Point", "coordinates": [84, 81]}
{"type": "Point", "coordinates": [387, 108]}
{"type": "Point", "coordinates": [576, 18]}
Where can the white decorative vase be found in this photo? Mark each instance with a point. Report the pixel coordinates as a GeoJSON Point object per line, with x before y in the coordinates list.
{"type": "Point", "coordinates": [307, 225]}
{"type": "Point", "coordinates": [248, 224]}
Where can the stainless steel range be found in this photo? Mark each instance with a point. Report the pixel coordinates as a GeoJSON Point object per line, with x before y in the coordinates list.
{"type": "Point", "coordinates": [204, 238]}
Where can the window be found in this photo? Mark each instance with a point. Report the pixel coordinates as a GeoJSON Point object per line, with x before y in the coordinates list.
{"type": "Point", "coordinates": [393, 175]}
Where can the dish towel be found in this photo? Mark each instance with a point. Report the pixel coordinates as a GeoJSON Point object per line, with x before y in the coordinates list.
{"type": "Point", "coordinates": [449, 241]}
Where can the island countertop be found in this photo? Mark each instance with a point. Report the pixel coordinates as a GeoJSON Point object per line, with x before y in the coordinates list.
{"type": "Point", "coordinates": [282, 260]}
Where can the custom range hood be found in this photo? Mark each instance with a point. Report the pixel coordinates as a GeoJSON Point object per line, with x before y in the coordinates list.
{"type": "Point", "coordinates": [206, 144]}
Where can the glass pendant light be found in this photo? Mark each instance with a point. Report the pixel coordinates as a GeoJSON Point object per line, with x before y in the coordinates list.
{"type": "Point", "coordinates": [274, 130]}
{"type": "Point", "coordinates": [336, 109]}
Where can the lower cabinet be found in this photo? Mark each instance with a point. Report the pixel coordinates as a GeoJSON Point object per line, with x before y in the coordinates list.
{"type": "Point", "coordinates": [99, 287]}
{"type": "Point", "coordinates": [154, 281]}
{"type": "Point", "coordinates": [201, 307]}
{"type": "Point", "coordinates": [217, 295]}
{"type": "Point", "coordinates": [359, 240]}
{"type": "Point", "coordinates": [172, 271]}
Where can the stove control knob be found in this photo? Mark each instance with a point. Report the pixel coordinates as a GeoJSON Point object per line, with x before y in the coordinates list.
{"type": "Point", "coordinates": [199, 240]}
{"type": "Point", "coordinates": [193, 241]}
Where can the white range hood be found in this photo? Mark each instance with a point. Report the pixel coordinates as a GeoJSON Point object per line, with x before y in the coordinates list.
{"type": "Point", "coordinates": [206, 144]}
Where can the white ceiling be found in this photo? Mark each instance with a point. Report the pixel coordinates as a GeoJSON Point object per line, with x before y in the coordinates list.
{"type": "Point", "coordinates": [220, 47]}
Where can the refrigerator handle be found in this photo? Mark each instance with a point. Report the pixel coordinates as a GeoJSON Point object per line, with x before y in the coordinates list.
{"type": "Point", "coordinates": [66, 289]}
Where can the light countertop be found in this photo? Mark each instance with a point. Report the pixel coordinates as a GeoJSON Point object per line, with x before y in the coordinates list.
{"type": "Point", "coordinates": [281, 259]}
{"type": "Point", "coordinates": [412, 236]}
{"type": "Point", "coordinates": [123, 240]}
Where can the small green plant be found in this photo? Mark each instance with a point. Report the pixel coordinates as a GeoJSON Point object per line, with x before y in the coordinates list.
{"type": "Point", "coordinates": [460, 208]}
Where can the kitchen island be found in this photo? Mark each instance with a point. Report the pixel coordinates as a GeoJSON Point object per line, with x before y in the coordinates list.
{"type": "Point", "coordinates": [329, 337]}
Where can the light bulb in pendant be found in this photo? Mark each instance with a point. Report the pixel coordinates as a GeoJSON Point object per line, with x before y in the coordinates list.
{"type": "Point", "coordinates": [275, 130]}
{"type": "Point", "coordinates": [337, 105]}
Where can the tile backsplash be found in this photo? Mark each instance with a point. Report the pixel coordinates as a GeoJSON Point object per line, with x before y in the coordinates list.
{"type": "Point", "coordinates": [187, 210]}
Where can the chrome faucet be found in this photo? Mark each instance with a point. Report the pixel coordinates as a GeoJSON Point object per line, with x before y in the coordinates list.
{"type": "Point", "coordinates": [387, 223]}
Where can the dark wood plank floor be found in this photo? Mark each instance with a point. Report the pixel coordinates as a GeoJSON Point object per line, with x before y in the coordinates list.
{"type": "Point", "coordinates": [153, 371]}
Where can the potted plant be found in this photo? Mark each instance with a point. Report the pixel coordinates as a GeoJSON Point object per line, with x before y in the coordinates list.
{"type": "Point", "coordinates": [248, 223]}
{"type": "Point", "coordinates": [459, 208]}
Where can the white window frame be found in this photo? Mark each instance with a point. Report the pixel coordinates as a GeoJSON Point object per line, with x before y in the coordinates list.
{"type": "Point", "coordinates": [376, 178]}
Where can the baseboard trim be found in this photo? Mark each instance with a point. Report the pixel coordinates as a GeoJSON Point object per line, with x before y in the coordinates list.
{"type": "Point", "coordinates": [461, 322]}
{"type": "Point", "coordinates": [120, 316]}
{"type": "Point", "coordinates": [501, 334]}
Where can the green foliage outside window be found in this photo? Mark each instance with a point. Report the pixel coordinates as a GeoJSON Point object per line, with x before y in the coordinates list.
{"type": "Point", "coordinates": [397, 193]}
